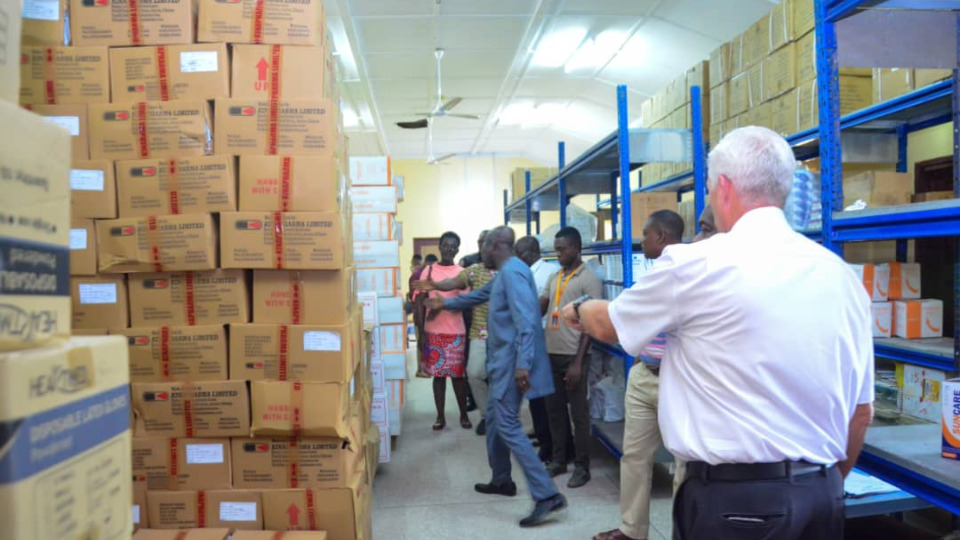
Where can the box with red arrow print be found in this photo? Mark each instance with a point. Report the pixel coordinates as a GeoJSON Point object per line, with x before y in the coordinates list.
{"type": "Point", "coordinates": [343, 512]}
{"type": "Point", "coordinates": [169, 72]}
{"type": "Point", "coordinates": [262, 71]}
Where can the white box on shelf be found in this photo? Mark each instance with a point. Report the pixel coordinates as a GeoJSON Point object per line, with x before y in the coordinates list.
{"type": "Point", "coordinates": [376, 375]}
{"type": "Point", "coordinates": [383, 281]}
{"type": "Point", "coordinates": [395, 367]}
{"type": "Point", "coordinates": [377, 254]}
{"type": "Point", "coordinates": [391, 310]}
{"type": "Point", "coordinates": [370, 171]}
{"type": "Point", "coordinates": [393, 338]}
{"type": "Point", "coordinates": [374, 199]}
{"type": "Point", "coordinates": [371, 307]}
{"type": "Point", "coordinates": [921, 392]}
{"type": "Point", "coordinates": [875, 279]}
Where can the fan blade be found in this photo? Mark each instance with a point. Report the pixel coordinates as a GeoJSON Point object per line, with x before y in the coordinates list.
{"type": "Point", "coordinates": [468, 116]}
{"type": "Point", "coordinates": [451, 103]}
{"type": "Point", "coordinates": [444, 158]}
{"type": "Point", "coordinates": [417, 124]}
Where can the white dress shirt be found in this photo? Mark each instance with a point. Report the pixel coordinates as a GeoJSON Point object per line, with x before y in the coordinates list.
{"type": "Point", "coordinates": [542, 271]}
{"type": "Point", "coordinates": [769, 345]}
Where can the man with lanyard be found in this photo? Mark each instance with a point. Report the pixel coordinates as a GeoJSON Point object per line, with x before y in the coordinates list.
{"type": "Point", "coordinates": [569, 351]}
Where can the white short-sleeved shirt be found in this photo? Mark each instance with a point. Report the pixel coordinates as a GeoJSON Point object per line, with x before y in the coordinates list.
{"type": "Point", "coordinates": [542, 272]}
{"type": "Point", "coordinates": [769, 344]}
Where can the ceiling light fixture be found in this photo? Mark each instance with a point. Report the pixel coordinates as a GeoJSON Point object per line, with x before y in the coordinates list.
{"type": "Point", "coordinates": [515, 113]}
{"type": "Point", "coordinates": [595, 53]}
{"type": "Point", "coordinates": [557, 47]}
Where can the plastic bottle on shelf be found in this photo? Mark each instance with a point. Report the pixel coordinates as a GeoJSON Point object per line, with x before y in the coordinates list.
{"type": "Point", "coordinates": [803, 209]}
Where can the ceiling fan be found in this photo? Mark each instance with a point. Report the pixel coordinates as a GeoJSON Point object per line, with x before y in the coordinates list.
{"type": "Point", "coordinates": [442, 109]}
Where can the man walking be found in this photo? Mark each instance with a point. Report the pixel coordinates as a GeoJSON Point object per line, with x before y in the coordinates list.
{"type": "Point", "coordinates": [517, 365]}
{"type": "Point", "coordinates": [766, 386]}
{"type": "Point", "coordinates": [569, 350]}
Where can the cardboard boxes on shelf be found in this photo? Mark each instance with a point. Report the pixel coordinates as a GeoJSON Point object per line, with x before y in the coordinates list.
{"type": "Point", "coordinates": [290, 183]}
{"type": "Point", "coordinates": [177, 353]}
{"type": "Point", "coordinates": [93, 190]}
{"type": "Point", "coordinates": [183, 464]}
{"type": "Point", "coordinates": [915, 319]}
{"type": "Point", "coordinates": [235, 509]}
{"type": "Point", "coordinates": [292, 352]}
{"type": "Point", "coordinates": [169, 72]}
{"type": "Point", "coordinates": [302, 126]}
{"type": "Point", "coordinates": [303, 297]}
{"type": "Point", "coordinates": [282, 240]}
{"type": "Point", "coordinates": [83, 247]}
{"type": "Point", "coordinates": [51, 75]}
{"type": "Point", "coordinates": [157, 243]}
{"type": "Point", "coordinates": [904, 280]}
{"type": "Point", "coordinates": [265, 463]}
{"type": "Point", "coordinates": [875, 279]}
{"type": "Point", "coordinates": [114, 23]}
{"type": "Point", "coordinates": [878, 188]}
{"type": "Point", "coordinates": [144, 129]}
{"type": "Point", "coordinates": [297, 70]}
{"type": "Point", "coordinates": [300, 23]}
{"type": "Point", "coordinates": [882, 313]}
{"type": "Point", "coordinates": [188, 185]}
{"type": "Point", "coordinates": [72, 118]}
{"type": "Point", "coordinates": [188, 298]}
{"type": "Point", "coordinates": [99, 301]}
{"type": "Point", "coordinates": [307, 408]}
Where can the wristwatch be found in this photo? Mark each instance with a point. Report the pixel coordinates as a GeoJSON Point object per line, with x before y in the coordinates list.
{"type": "Point", "coordinates": [579, 302]}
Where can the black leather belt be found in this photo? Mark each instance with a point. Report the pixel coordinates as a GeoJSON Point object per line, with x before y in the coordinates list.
{"type": "Point", "coordinates": [744, 472]}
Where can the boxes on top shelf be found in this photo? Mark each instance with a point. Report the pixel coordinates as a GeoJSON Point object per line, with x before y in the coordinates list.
{"type": "Point", "coordinates": [282, 240]}
{"type": "Point", "coordinates": [165, 243]}
{"type": "Point", "coordinates": [72, 118]}
{"type": "Point", "coordinates": [83, 247]}
{"type": "Point", "coordinates": [303, 126]}
{"type": "Point", "coordinates": [188, 298]}
{"type": "Point", "coordinates": [293, 352]}
{"type": "Point", "coordinates": [878, 188]}
{"type": "Point", "coordinates": [169, 72]}
{"type": "Point", "coordinates": [807, 60]}
{"type": "Point", "coordinates": [754, 44]}
{"type": "Point", "coordinates": [914, 319]}
{"type": "Point", "coordinates": [783, 114]}
{"type": "Point", "coordinates": [284, 23]}
{"type": "Point", "coordinates": [781, 26]}
{"type": "Point", "coordinates": [156, 129]}
{"type": "Point", "coordinates": [93, 189]}
{"type": "Point", "coordinates": [891, 83]}
{"type": "Point", "coordinates": [904, 280]}
{"type": "Point", "coordinates": [100, 301]}
{"type": "Point", "coordinates": [719, 66]}
{"type": "Point", "coordinates": [290, 183]}
{"type": "Point", "coordinates": [236, 508]}
{"type": "Point", "coordinates": [882, 313]}
{"type": "Point", "coordinates": [854, 95]}
{"type": "Point", "coordinates": [177, 353]}
{"type": "Point", "coordinates": [114, 23]}
{"type": "Point", "coordinates": [383, 254]}
{"type": "Point", "coordinates": [644, 204]}
{"type": "Point", "coordinates": [188, 185]}
{"type": "Point", "coordinates": [51, 75]}
{"type": "Point", "coordinates": [538, 175]}
{"type": "Point", "coordinates": [875, 279]}
{"type": "Point", "coordinates": [295, 69]}
{"type": "Point", "coordinates": [779, 72]}
{"type": "Point", "coordinates": [370, 171]}
{"type": "Point", "coordinates": [183, 464]}
{"type": "Point", "coordinates": [303, 297]}
{"type": "Point", "coordinates": [926, 77]}
{"type": "Point", "coordinates": [191, 409]}
{"type": "Point", "coordinates": [44, 22]}
{"type": "Point", "coordinates": [804, 18]}
{"type": "Point", "coordinates": [374, 199]}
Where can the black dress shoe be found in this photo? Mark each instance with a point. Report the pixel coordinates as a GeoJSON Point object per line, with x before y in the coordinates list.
{"type": "Point", "coordinates": [482, 427]}
{"type": "Point", "coordinates": [507, 490]}
{"type": "Point", "coordinates": [544, 510]}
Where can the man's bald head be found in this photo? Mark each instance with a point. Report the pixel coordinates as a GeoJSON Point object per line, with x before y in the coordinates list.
{"type": "Point", "coordinates": [498, 246]}
{"type": "Point", "coordinates": [528, 250]}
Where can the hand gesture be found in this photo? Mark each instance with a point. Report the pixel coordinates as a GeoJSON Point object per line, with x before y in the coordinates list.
{"type": "Point", "coordinates": [434, 303]}
{"type": "Point", "coordinates": [522, 376]}
{"type": "Point", "coordinates": [425, 285]}
{"type": "Point", "coordinates": [572, 378]}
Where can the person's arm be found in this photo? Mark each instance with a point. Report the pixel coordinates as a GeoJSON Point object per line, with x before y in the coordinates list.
{"type": "Point", "coordinates": [472, 299]}
{"type": "Point", "coordinates": [864, 360]}
{"type": "Point", "coordinates": [594, 320]}
{"type": "Point", "coordinates": [575, 371]}
{"type": "Point", "coordinates": [523, 312]}
{"type": "Point", "coordinates": [544, 305]}
{"type": "Point", "coordinates": [453, 284]}
{"type": "Point", "coordinates": [862, 418]}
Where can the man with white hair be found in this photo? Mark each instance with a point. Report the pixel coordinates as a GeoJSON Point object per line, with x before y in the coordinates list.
{"type": "Point", "coordinates": [766, 385]}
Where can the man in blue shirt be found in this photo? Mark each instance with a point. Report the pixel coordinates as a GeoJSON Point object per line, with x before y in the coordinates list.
{"type": "Point", "coordinates": [517, 367]}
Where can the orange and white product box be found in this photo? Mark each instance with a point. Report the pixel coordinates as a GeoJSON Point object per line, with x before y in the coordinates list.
{"type": "Point", "coordinates": [293, 69]}
{"type": "Point", "coordinates": [379, 226]}
{"type": "Point", "coordinates": [115, 23]}
{"type": "Point", "coordinates": [913, 319]}
{"type": "Point", "coordinates": [370, 171]}
{"type": "Point", "coordinates": [240, 21]}
{"type": "Point", "coordinates": [882, 313]}
{"type": "Point", "coordinates": [150, 129]}
{"type": "Point", "coordinates": [371, 309]}
{"type": "Point", "coordinates": [950, 419]}
{"type": "Point", "coordinates": [262, 126]}
{"type": "Point", "coordinates": [383, 281]}
{"type": "Point", "coordinates": [374, 199]}
{"type": "Point", "coordinates": [904, 281]}
{"type": "Point", "coordinates": [393, 338]}
{"type": "Point", "coordinates": [875, 278]}
{"type": "Point", "coordinates": [51, 75]}
{"type": "Point", "coordinates": [385, 254]}
{"type": "Point", "coordinates": [168, 72]}
{"type": "Point", "coordinates": [390, 310]}
{"type": "Point", "coordinates": [290, 184]}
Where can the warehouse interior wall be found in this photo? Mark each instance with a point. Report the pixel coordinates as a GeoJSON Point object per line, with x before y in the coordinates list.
{"type": "Point", "coordinates": [929, 144]}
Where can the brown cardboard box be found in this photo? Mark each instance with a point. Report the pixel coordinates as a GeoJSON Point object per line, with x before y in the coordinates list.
{"type": "Point", "coordinates": [265, 463]}
{"type": "Point", "coordinates": [43, 23]}
{"type": "Point", "coordinates": [254, 66]}
{"type": "Point", "coordinates": [878, 188]}
{"type": "Point", "coordinates": [891, 83]}
{"type": "Point", "coordinates": [780, 72]}
{"type": "Point", "coordinates": [177, 353]}
{"type": "Point", "coordinates": [716, 133]}
{"type": "Point", "coordinates": [236, 509]}
{"type": "Point", "coordinates": [100, 301]}
{"type": "Point", "coordinates": [926, 77]}
{"type": "Point", "coordinates": [74, 119]}
{"type": "Point", "coordinates": [687, 211]}
{"type": "Point", "coordinates": [90, 332]}
{"type": "Point", "coordinates": [308, 297]}
{"type": "Point", "coordinates": [167, 129]}
{"type": "Point", "coordinates": [322, 408]}
{"type": "Point", "coordinates": [93, 190]}
{"type": "Point", "coordinates": [157, 243]}
{"type": "Point", "coordinates": [720, 65]}
{"type": "Point", "coordinates": [807, 60]}
{"type": "Point", "coordinates": [183, 464]}
{"type": "Point", "coordinates": [644, 204]}
{"type": "Point", "coordinates": [719, 109]}
{"type": "Point", "coordinates": [198, 184]}
{"type": "Point", "coordinates": [292, 353]}
{"type": "Point", "coordinates": [169, 72]}
{"type": "Point", "coordinates": [783, 114]}
{"type": "Point", "coordinates": [933, 196]}
{"type": "Point", "coordinates": [300, 23]}
{"type": "Point", "coordinates": [10, 50]}
{"type": "Point", "coordinates": [163, 409]}
{"type": "Point", "coordinates": [755, 43]}
{"type": "Point", "coordinates": [736, 55]}
{"type": "Point", "coordinates": [271, 535]}
{"type": "Point", "coordinates": [804, 18]}
{"type": "Point", "coordinates": [303, 240]}
{"type": "Point", "coordinates": [140, 516]}
{"type": "Point", "coordinates": [337, 510]}
{"type": "Point", "coordinates": [83, 247]}
{"type": "Point", "coordinates": [51, 75]}
{"type": "Point", "coordinates": [189, 298]}
{"type": "Point", "coordinates": [738, 94]}
{"type": "Point", "coordinates": [110, 23]}
{"type": "Point", "coordinates": [291, 183]}
{"type": "Point", "coordinates": [781, 25]}
{"type": "Point", "coordinates": [173, 534]}
{"type": "Point", "coordinates": [303, 126]}
{"type": "Point", "coordinates": [855, 94]}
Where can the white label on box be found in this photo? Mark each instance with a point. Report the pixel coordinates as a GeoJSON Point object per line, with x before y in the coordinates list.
{"type": "Point", "coordinates": [136, 514]}
{"type": "Point", "coordinates": [318, 340]}
{"type": "Point", "coordinates": [98, 293]}
{"type": "Point", "coordinates": [238, 511]}
{"type": "Point", "coordinates": [41, 10]}
{"type": "Point", "coordinates": [198, 61]}
{"type": "Point", "coordinates": [78, 239]}
{"type": "Point", "coordinates": [69, 123]}
{"type": "Point", "coordinates": [86, 180]}
{"type": "Point", "coordinates": [204, 454]}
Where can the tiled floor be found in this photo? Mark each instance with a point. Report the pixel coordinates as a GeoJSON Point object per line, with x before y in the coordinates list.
{"type": "Point", "coordinates": [426, 491]}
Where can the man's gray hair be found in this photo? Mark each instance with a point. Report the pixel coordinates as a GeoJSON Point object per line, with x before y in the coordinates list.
{"type": "Point", "coordinates": [758, 162]}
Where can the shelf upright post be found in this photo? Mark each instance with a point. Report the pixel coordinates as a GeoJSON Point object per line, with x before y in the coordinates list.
{"type": "Point", "coordinates": [623, 143]}
{"type": "Point", "coordinates": [828, 92]}
{"type": "Point", "coordinates": [506, 213]}
{"type": "Point", "coordinates": [562, 182]}
{"type": "Point", "coordinates": [614, 206]}
{"type": "Point", "coordinates": [955, 100]}
{"type": "Point", "coordinates": [527, 199]}
{"type": "Point", "coordinates": [699, 164]}
{"type": "Point", "coordinates": [902, 244]}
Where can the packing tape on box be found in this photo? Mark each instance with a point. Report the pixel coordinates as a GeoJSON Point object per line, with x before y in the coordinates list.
{"type": "Point", "coordinates": [153, 243]}
{"type": "Point", "coordinates": [173, 185]}
{"type": "Point", "coordinates": [50, 76]}
{"type": "Point", "coordinates": [278, 240]}
{"type": "Point", "coordinates": [162, 73]}
{"type": "Point", "coordinates": [258, 9]}
{"type": "Point", "coordinates": [293, 457]}
{"type": "Point", "coordinates": [296, 401]}
{"type": "Point", "coordinates": [173, 467]}
{"type": "Point", "coordinates": [188, 393]}
{"type": "Point", "coordinates": [282, 358]}
{"type": "Point", "coordinates": [165, 352]}
{"type": "Point", "coordinates": [276, 56]}
{"type": "Point", "coordinates": [189, 304]}
{"type": "Point", "coordinates": [134, 9]}
{"type": "Point", "coordinates": [201, 509]}
{"type": "Point", "coordinates": [142, 112]}
{"type": "Point", "coordinates": [311, 510]}
{"type": "Point", "coordinates": [296, 294]}
{"type": "Point", "coordinates": [285, 170]}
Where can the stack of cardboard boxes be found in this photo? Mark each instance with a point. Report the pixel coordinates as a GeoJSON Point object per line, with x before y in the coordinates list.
{"type": "Point", "coordinates": [210, 228]}
{"type": "Point", "coordinates": [377, 238]}
{"type": "Point", "coordinates": [518, 179]}
{"type": "Point", "coordinates": [65, 405]}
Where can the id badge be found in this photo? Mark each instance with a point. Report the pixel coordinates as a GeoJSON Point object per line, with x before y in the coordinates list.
{"type": "Point", "coordinates": [555, 320]}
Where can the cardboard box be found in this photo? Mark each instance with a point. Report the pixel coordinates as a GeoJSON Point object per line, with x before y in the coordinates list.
{"type": "Point", "coordinates": [755, 43]}
{"type": "Point", "coordinates": [169, 72]}
{"type": "Point", "coordinates": [291, 184]}
{"type": "Point", "coordinates": [172, 534]}
{"type": "Point", "coordinates": [303, 126]}
{"type": "Point", "coordinates": [51, 75]}
{"type": "Point", "coordinates": [783, 114]}
{"type": "Point", "coordinates": [806, 48]}
{"type": "Point", "coordinates": [718, 104]}
{"type": "Point", "coordinates": [66, 460]}
{"type": "Point", "coordinates": [738, 94]}
{"type": "Point", "coordinates": [644, 204]}
{"type": "Point", "coordinates": [83, 247]}
{"type": "Point", "coordinates": [882, 313]}
{"type": "Point", "coordinates": [915, 319]}
{"type": "Point", "coordinates": [891, 83]}
{"type": "Point", "coordinates": [265, 463]}
{"type": "Point", "coordinates": [302, 241]}
{"type": "Point", "coordinates": [43, 23]}
{"type": "Point", "coordinates": [921, 391]}
{"type": "Point", "coordinates": [300, 23]}
{"type": "Point", "coordinates": [932, 196]}
{"type": "Point", "coordinates": [191, 409]}
{"type": "Point", "coordinates": [376, 171]}
{"type": "Point", "coordinates": [804, 19]}
{"type": "Point", "coordinates": [270, 535]}
{"type": "Point", "coordinates": [855, 94]}
{"type": "Point", "coordinates": [158, 129]}
{"type": "Point", "coordinates": [199, 184]}
{"type": "Point", "coordinates": [878, 188]}
{"type": "Point", "coordinates": [292, 353]}
{"type": "Point", "coordinates": [374, 199]}
{"type": "Point", "coordinates": [140, 516]}
{"type": "Point", "coordinates": [177, 353]}
{"type": "Point", "coordinates": [100, 301]}
{"type": "Point", "coordinates": [875, 279]}
{"type": "Point", "coordinates": [383, 281]}
{"type": "Point", "coordinates": [183, 464]}
{"type": "Point", "coordinates": [538, 176]}
{"type": "Point", "coordinates": [112, 23]}
{"type": "Point", "coordinates": [340, 511]}
{"type": "Point", "coordinates": [322, 409]}
{"type": "Point", "coordinates": [719, 66]}
{"type": "Point", "coordinates": [308, 297]}
{"type": "Point", "coordinates": [780, 72]}
{"type": "Point", "coordinates": [781, 26]}
{"type": "Point", "coordinates": [294, 69]}
{"type": "Point", "coordinates": [384, 254]}
{"type": "Point", "coordinates": [926, 77]}
{"type": "Point", "coordinates": [370, 307]}
{"type": "Point", "coordinates": [236, 509]}
{"type": "Point", "coordinates": [10, 50]}
{"type": "Point", "coordinates": [72, 118]}
{"type": "Point", "coordinates": [157, 243]}
{"type": "Point", "coordinates": [904, 280]}
{"type": "Point", "coordinates": [374, 227]}
{"type": "Point", "coordinates": [950, 419]}
{"type": "Point", "coordinates": [93, 190]}
{"type": "Point", "coordinates": [189, 298]}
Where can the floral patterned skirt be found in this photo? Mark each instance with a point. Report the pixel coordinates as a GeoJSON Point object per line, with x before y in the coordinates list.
{"type": "Point", "coordinates": [444, 356]}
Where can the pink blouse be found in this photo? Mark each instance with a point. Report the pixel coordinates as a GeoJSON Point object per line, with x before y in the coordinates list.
{"type": "Point", "coordinates": [447, 322]}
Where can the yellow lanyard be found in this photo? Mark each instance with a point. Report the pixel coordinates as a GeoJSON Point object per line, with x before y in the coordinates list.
{"type": "Point", "coordinates": [562, 286]}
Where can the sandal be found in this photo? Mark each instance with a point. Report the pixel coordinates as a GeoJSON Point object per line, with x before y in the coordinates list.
{"type": "Point", "coordinates": [437, 426]}
{"type": "Point", "coordinates": [465, 423]}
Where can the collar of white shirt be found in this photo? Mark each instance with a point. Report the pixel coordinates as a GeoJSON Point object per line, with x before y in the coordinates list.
{"type": "Point", "coordinates": [761, 220]}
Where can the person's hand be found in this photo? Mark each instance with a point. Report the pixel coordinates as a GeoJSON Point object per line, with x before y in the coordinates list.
{"type": "Point", "coordinates": [570, 316]}
{"type": "Point", "coordinates": [425, 285]}
{"type": "Point", "coordinates": [572, 378]}
{"type": "Point", "coordinates": [434, 303]}
{"type": "Point", "coordinates": [522, 376]}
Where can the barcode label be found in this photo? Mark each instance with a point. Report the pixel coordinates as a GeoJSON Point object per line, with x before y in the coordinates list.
{"type": "Point", "coordinates": [198, 61]}
{"type": "Point", "coordinates": [86, 180]}
{"type": "Point", "coordinates": [78, 239]}
{"type": "Point", "coordinates": [204, 454]}
{"type": "Point", "coordinates": [69, 123]}
{"type": "Point", "coordinates": [98, 293]}
{"type": "Point", "coordinates": [318, 340]}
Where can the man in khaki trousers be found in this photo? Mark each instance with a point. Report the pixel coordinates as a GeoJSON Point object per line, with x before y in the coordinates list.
{"type": "Point", "coordinates": [641, 437]}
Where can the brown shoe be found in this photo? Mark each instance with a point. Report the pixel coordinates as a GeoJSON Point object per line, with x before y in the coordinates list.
{"type": "Point", "coordinates": [615, 534]}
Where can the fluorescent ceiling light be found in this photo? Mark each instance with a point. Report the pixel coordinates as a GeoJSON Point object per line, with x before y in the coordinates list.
{"type": "Point", "coordinates": [515, 113]}
{"type": "Point", "coordinates": [350, 118]}
{"type": "Point", "coordinates": [633, 53]}
{"type": "Point", "coordinates": [557, 47]}
{"type": "Point", "coordinates": [595, 52]}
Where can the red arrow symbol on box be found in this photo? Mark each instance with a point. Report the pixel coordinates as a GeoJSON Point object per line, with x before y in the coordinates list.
{"type": "Point", "coordinates": [262, 66]}
{"type": "Point", "coordinates": [294, 514]}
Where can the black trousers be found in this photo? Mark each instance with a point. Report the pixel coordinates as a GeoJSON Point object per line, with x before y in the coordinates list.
{"type": "Point", "coordinates": [541, 425]}
{"type": "Point", "coordinates": [807, 507]}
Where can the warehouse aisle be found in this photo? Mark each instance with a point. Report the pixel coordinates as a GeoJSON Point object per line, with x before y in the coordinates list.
{"type": "Point", "coordinates": [426, 491]}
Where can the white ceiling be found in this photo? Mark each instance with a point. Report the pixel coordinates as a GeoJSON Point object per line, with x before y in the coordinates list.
{"type": "Point", "coordinates": [386, 51]}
